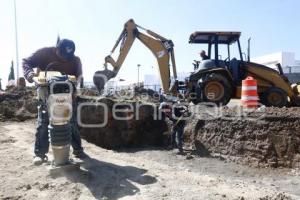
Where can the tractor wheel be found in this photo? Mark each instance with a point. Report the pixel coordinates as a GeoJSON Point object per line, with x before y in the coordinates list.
{"type": "Point", "coordinates": [275, 96]}
{"type": "Point", "coordinates": [216, 89]}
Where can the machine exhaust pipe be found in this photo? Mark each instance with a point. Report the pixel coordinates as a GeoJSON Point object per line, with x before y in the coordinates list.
{"type": "Point", "coordinates": [249, 39]}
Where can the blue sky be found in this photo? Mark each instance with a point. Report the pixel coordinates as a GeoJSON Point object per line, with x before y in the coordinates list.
{"type": "Point", "coordinates": [94, 25]}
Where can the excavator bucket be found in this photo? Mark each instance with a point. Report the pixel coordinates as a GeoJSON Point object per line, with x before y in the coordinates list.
{"type": "Point", "coordinates": [101, 77]}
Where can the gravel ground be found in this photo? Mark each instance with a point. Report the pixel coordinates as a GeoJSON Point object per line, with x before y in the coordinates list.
{"type": "Point", "coordinates": [133, 174]}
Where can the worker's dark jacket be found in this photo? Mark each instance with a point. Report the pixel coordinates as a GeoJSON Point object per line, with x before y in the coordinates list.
{"type": "Point", "coordinates": [43, 57]}
{"type": "Point", "coordinates": [178, 112]}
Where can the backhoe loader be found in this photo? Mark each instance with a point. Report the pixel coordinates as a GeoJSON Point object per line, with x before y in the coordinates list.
{"type": "Point", "coordinates": [214, 80]}
{"type": "Point", "coordinates": [161, 47]}
{"type": "Point", "coordinates": [218, 80]}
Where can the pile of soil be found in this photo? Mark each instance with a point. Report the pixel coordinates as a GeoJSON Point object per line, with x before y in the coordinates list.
{"type": "Point", "coordinates": [267, 137]}
{"type": "Point", "coordinates": [141, 129]}
{"type": "Point", "coordinates": [279, 196]}
{"type": "Point", "coordinates": [141, 90]}
{"type": "Point", "coordinates": [18, 104]}
{"type": "Point", "coordinates": [147, 94]}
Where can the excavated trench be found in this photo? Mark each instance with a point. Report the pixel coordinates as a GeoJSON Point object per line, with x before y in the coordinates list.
{"type": "Point", "coordinates": [268, 137]}
{"type": "Point", "coordinates": [134, 123]}
{"type": "Point", "coordinates": [127, 124]}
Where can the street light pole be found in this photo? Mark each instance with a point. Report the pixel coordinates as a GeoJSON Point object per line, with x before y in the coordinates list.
{"type": "Point", "coordinates": [138, 83]}
{"type": "Point", "coordinates": [16, 38]}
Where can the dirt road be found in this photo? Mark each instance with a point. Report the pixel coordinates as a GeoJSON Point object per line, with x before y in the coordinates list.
{"type": "Point", "coordinates": [135, 174]}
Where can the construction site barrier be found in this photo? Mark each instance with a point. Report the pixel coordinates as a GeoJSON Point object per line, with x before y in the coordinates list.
{"type": "Point", "coordinates": [249, 93]}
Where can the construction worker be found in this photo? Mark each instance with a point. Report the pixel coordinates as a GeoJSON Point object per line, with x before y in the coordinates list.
{"type": "Point", "coordinates": [203, 55]}
{"type": "Point", "coordinates": [176, 113]}
{"type": "Point", "coordinates": [61, 58]}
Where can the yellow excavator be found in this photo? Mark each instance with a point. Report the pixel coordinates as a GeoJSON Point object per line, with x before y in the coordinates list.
{"type": "Point", "coordinates": [161, 47]}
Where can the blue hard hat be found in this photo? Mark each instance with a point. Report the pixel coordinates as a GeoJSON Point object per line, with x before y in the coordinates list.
{"type": "Point", "coordinates": [66, 48]}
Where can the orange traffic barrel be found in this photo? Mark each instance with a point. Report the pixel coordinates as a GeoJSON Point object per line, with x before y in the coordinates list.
{"type": "Point", "coordinates": [249, 93]}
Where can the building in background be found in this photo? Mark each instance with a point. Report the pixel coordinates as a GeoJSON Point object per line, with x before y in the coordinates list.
{"type": "Point", "coordinates": [286, 59]}
{"type": "Point", "coordinates": [290, 66]}
{"type": "Point", "coordinates": [152, 81]}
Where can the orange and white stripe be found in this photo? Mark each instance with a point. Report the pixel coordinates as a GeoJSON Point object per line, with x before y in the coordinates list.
{"type": "Point", "coordinates": [249, 93]}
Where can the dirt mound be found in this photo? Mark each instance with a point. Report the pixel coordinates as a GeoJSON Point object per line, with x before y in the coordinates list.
{"type": "Point", "coordinates": [141, 90]}
{"type": "Point", "coordinates": [279, 196]}
{"type": "Point", "coordinates": [266, 137]}
{"type": "Point", "coordinates": [18, 104]}
{"type": "Point", "coordinates": [146, 94]}
{"type": "Point", "coordinates": [140, 127]}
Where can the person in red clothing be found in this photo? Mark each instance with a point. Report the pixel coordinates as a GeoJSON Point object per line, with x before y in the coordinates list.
{"type": "Point", "coordinates": [60, 58]}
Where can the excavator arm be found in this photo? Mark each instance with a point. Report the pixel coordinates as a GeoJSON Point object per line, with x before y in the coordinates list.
{"type": "Point", "coordinates": [161, 47]}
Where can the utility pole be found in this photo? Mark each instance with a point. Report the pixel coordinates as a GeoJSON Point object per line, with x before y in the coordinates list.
{"type": "Point", "coordinates": [138, 83]}
{"type": "Point", "coordinates": [16, 38]}
{"type": "Point", "coordinates": [0, 84]}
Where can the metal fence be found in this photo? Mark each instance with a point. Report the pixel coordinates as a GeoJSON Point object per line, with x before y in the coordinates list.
{"type": "Point", "coordinates": [156, 88]}
{"type": "Point", "coordinates": [293, 77]}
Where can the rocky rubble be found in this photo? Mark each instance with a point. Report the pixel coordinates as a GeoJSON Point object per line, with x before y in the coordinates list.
{"type": "Point", "coordinates": [18, 104]}
{"type": "Point", "coordinates": [279, 196]}
{"type": "Point", "coordinates": [266, 137]}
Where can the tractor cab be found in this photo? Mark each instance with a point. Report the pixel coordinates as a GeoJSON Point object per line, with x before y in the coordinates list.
{"type": "Point", "coordinates": [219, 43]}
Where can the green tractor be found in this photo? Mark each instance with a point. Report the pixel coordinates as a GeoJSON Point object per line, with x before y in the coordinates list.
{"type": "Point", "coordinates": [219, 79]}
